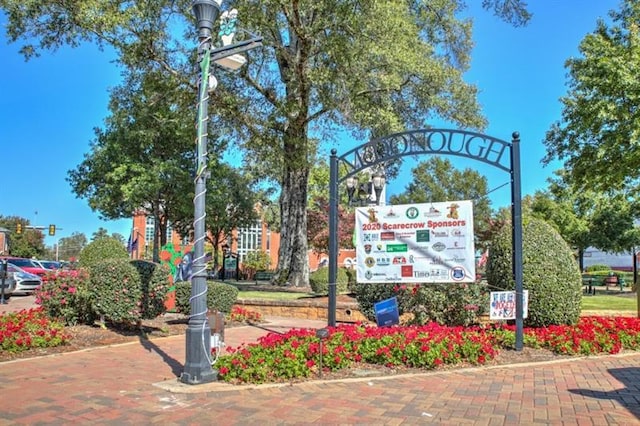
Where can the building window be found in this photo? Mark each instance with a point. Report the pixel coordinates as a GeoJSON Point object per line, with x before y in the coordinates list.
{"type": "Point", "coordinates": [249, 239]}
{"type": "Point", "coordinates": [150, 228]}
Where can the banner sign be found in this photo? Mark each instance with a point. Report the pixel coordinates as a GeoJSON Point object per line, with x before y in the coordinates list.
{"type": "Point", "coordinates": [415, 243]}
{"type": "Point", "coordinates": [503, 305]}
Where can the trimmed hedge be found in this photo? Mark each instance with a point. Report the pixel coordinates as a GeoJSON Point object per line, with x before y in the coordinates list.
{"type": "Point", "coordinates": [550, 273]}
{"type": "Point", "coordinates": [155, 284]}
{"type": "Point", "coordinates": [115, 291]}
{"type": "Point", "coordinates": [102, 249]}
{"type": "Point", "coordinates": [319, 281]}
{"type": "Point", "coordinates": [220, 297]}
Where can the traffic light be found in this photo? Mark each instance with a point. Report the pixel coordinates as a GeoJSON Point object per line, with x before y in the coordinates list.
{"type": "Point", "coordinates": [52, 230]}
{"type": "Point", "coordinates": [18, 228]}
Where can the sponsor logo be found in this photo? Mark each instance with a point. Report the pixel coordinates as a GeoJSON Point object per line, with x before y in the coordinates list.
{"type": "Point", "coordinates": [432, 212]}
{"type": "Point", "coordinates": [406, 271]}
{"type": "Point", "coordinates": [367, 248]}
{"type": "Point", "coordinates": [437, 261]}
{"type": "Point", "coordinates": [370, 262]}
{"type": "Point", "coordinates": [368, 275]}
{"type": "Point", "coordinates": [412, 213]}
{"type": "Point", "coordinates": [399, 260]}
{"type": "Point", "coordinates": [390, 213]}
{"type": "Point", "coordinates": [439, 234]}
{"type": "Point", "coordinates": [370, 237]}
{"type": "Point", "coordinates": [457, 233]}
{"type": "Point", "coordinates": [439, 273]}
{"type": "Point", "coordinates": [438, 246]}
{"type": "Point", "coordinates": [422, 236]}
{"type": "Point", "coordinates": [387, 236]}
{"type": "Point", "coordinates": [404, 235]}
{"type": "Point", "coordinates": [396, 248]}
{"type": "Point", "coordinates": [420, 274]}
{"type": "Point", "coordinates": [455, 259]}
{"type": "Point", "coordinates": [383, 261]}
{"type": "Point", "coordinates": [458, 273]}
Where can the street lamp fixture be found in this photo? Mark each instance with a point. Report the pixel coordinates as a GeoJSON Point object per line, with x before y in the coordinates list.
{"type": "Point", "coordinates": [198, 365]}
{"type": "Point", "coordinates": [360, 194]}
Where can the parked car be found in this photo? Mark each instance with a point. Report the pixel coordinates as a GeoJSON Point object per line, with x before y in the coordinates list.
{"type": "Point", "coordinates": [24, 282]}
{"type": "Point", "coordinates": [49, 264]}
{"type": "Point", "coordinates": [26, 265]}
{"type": "Point", "coordinates": [9, 283]}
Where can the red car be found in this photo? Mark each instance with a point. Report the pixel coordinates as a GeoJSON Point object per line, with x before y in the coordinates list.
{"type": "Point", "coordinates": [26, 265]}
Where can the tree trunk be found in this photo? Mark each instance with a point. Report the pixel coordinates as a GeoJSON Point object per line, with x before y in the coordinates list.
{"type": "Point", "coordinates": [581, 259]}
{"type": "Point", "coordinates": [293, 264]}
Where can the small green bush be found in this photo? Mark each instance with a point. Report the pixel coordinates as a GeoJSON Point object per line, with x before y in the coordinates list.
{"type": "Point", "coordinates": [116, 291]}
{"type": "Point", "coordinates": [598, 267]}
{"type": "Point", "coordinates": [220, 297]}
{"type": "Point", "coordinates": [154, 279]}
{"type": "Point", "coordinates": [102, 249]}
{"type": "Point", "coordinates": [550, 273]}
{"type": "Point", "coordinates": [451, 304]}
{"type": "Point", "coordinates": [319, 281]}
{"type": "Point", "coordinates": [368, 294]}
{"type": "Point", "coordinates": [64, 296]}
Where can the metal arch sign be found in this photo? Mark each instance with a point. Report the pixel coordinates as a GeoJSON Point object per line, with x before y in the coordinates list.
{"type": "Point", "coordinates": [495, 152]}
{"type": "Point", "coordinates": [486, 149]}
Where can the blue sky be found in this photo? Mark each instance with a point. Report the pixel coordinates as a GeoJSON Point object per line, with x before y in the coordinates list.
{"type": "Point", "coordinates": [51, 104]}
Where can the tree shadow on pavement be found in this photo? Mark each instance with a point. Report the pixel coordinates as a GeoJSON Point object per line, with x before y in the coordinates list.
{"type": "Point", "coordinates": [176, 366]}
{"type": "Point", "coordinates": [628, 397]}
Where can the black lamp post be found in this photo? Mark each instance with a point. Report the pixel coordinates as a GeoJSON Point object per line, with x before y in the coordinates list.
{"type": "Point", "coordinates": [198, 365]}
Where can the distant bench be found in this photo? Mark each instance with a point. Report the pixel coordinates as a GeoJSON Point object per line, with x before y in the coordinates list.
{"type": "Point", "coordinates": [263, 276]}
{"type": "Point", "coordinates": [591, 281]}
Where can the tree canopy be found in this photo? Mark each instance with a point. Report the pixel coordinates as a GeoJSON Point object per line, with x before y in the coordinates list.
{"type": "Point", "coordinates": [437, 180]}
{"type": "Point", "coordinates": [369, 67]}
{"type": "Point", "coordinates": [598, 136]}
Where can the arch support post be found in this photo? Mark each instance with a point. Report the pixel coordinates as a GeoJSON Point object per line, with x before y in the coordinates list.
{"type": "Point", "coordinates": [516, 238]}
{"type": "Point", "coordinates": [333, 237]}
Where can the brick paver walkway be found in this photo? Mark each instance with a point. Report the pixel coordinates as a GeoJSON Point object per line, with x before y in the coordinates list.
{"type": "Point", "coordinates": [136, 384]}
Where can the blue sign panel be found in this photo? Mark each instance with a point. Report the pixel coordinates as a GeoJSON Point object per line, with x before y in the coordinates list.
{"type": "Point", "coordinates": [387, 312]}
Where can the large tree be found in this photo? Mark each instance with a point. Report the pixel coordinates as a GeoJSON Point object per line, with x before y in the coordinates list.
{"type": "Point", "coordinates": [69, 248]}
{"type": "Point", "coordinates": [29, 243]}
{"type": "Point", "coordinates": [371, 67]}
{"type": "Point", "coordinates": [598, 136]}
{"type": "Point", "coordinates": [586, 218]}
{"type": "Point", "coordinates": [141, 160]}
{"type": "Point", "coordinates": [437, 180]}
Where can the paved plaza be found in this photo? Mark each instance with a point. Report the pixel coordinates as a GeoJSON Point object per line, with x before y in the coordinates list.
{"type": "Point", "coordinates": [136, 383]}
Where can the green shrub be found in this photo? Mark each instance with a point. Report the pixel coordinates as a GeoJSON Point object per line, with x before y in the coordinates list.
{"type": "Point", "coordinates": [550, 273]}
{"type": "Point", "coordinates": [368, 294]}
{"type": "Point", "coordinates": [594, 268]}
{"type": "Point", "coordinates": [319, 281]}
{"type": "Point", "coordinates": [452, 304]}
{"type": "Point", "coordinates": [220, 297]}
{"type": "Point", "coordinates": [154, 279]}
{"type": "Point", "coordinates": [102, 249]}
{"type": "Point", "coordinates": [64, 296]}
{"type": "Point", "coordinates": [116, 291]}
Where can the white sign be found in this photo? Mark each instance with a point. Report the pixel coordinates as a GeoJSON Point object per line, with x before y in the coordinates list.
{"type": "Point", "coordinates": [503, 305]}
{"type": "Point", "coordinates": [415, 243]}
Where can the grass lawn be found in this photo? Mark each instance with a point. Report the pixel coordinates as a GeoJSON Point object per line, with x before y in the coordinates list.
{"type": "Point", "coordinates": [272, 295]}
{"type": "Point", "coordinates": [627, 302]}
